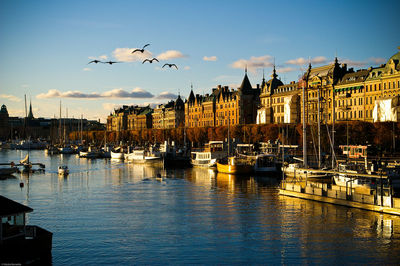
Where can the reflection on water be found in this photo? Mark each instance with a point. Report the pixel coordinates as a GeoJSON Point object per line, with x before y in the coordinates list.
{"type": "Point", "coordinates": [113, 212]}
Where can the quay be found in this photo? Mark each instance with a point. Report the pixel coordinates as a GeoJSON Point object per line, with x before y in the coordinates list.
{"type": "Point", "coordinates": [379, 199]}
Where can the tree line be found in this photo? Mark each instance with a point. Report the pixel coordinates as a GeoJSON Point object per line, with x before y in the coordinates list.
{"type": "Point", "coordinates": [384, 135]}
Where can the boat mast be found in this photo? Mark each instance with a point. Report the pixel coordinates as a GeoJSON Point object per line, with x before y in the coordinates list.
{"type": "Point", "coordinates": [59, 126]}
{"type": "Point", "coordinates": [304, 129]}
{"type": "Point", "coordinates": [319, 126]}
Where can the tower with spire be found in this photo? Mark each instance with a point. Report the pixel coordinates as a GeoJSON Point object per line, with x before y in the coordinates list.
{"type": "Point", "coordinates": [30, 115]}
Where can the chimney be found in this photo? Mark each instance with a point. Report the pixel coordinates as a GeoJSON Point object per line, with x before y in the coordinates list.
{"type": "Point", "coordinates": [258, 86]}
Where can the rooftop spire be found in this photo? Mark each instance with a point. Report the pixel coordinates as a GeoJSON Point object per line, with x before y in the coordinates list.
{"type": "Point", "coordinates": [274, 75]}
{"type": "Point", "coordinates": [30, 115]}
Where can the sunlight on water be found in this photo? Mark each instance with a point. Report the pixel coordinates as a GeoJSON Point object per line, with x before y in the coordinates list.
{"type": "Point", "coordinates": [110, 212]}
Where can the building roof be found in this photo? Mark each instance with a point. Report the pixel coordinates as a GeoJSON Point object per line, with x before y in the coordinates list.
{"type": "Point", "coordinates": [354, 77]}
{"type": "Point", "coordinates": [9, 207]}
{"type": "Point", "coordinates": [3, 110]}
{"type": "Point", "coordinates": [246, 85]}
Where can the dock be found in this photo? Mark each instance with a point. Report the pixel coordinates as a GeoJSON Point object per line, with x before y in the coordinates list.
{"type": "Point", "coordinates": [367, 200]}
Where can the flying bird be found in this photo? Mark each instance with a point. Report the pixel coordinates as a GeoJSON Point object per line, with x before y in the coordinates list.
{"type": "Point", "coordinates": [170, 65]}
{"type": "Point", "coordinates": [140, 50]}
{"type": "Point", "coordinates": [150, 60]}
{"type": "Point", "coordinates": [95, 61]}
{"type": "Point", "coordinates": [110, 62]}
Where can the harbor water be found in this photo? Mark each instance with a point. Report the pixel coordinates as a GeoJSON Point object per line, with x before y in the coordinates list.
{"type": "Point", "coordinates": [111, 212]}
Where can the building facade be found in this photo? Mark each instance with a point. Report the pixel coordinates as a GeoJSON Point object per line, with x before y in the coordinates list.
{"type": "Point", "coordinates": [223, 106]}
{"type": "Point", "coordinates": [169, 115]}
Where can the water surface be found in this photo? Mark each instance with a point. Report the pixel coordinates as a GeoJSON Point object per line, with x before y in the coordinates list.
{"type": "Point", "coordinates": [110, 212]}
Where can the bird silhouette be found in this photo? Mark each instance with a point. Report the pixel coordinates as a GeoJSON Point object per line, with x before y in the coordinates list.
{"type": "Point", "coordinates": [95, 61]}
{"type": "Point", "coordinates": [110, 62]}
{"type": "Point", "coordinates": [140, 50]}
{"type": "Point", "coordinates": [150, 60]}
{"type": "Point", "coordinates": [170, 65]}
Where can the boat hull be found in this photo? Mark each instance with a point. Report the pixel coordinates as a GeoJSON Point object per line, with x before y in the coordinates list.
{"type": "Point", "coordinates": [234, 169]}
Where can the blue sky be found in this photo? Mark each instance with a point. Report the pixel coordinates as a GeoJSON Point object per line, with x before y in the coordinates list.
{"type": "Point", "coordinates": [45, 47]}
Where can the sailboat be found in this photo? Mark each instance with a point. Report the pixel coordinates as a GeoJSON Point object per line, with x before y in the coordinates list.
{"type": "Point", "coordinates": [294, 170]}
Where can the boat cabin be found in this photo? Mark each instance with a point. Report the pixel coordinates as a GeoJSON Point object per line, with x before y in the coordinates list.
{"type": "Point", "coordinates": [20, 242]}
{"type": "Point", "coordinates": [354, 151]}
{"type": "Point", "coordinates": [12, 216]}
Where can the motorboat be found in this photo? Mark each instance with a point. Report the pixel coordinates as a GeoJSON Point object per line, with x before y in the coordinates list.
{"type": "Point", "coordinates": [117, 153]}
{"type": "Point", "coordinates": [204, 156]}
{"type": "Point", "coordinates": [63, 170]}
{"type": "Point", "coordinates": [265, 164]}
{"type": "Point", "coordinates": [140, 155]}
{"type": "Point", "coordinates": [234, 165]}
{"type": "Point", "coordinates": [295, 170]}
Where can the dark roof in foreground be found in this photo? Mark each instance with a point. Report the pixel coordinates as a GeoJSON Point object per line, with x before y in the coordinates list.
{"type": "Point", "coordinates": [9, 207]}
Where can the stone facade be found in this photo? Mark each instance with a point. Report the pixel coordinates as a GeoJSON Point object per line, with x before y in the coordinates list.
{"type": "Point", "coordinates": [223, 106]}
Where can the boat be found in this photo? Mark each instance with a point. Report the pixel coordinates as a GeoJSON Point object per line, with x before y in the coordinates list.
{"type": "Point", "coordinates": [66, 150]}
{"type": "Point", "coordinates": [234, 165]}
{"type": "Point", "coordinates": [63, 170]}
{"type": "Point", "coordinates": [265, 164]}
{"type": "Point", "coordinates": [90, 153]}
{"type": "Point", "coordinates": [51, 150]}
{"type": "Point", "coordinates": [117, 153]}
{"type": "Point", "coordinates": [7, 169]}
{"type": "Point", "coordinates": [20, 243]}
{"type": "Point", "coordinates": [204, 156]}
{"type": "Point", "coordinates": [140, 155]}
{"type": "Point", "coordinates": [347, 177]}
{"type": "Point", "coordinates": [294, 170]}
{"type": "Point", "coordinates": [174, 156]}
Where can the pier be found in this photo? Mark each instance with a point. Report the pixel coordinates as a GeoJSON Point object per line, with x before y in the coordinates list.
{"type": "Point", "coordinates": [378, 199]}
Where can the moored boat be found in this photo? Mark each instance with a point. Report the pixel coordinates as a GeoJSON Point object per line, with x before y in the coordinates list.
{"type": "Point", "coordinates": [234, 165]}
{"type": "Point", "coordinates": [212, 150]}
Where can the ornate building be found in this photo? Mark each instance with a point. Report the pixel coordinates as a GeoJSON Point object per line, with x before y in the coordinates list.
{"type": "Point", "coordinates": [130, 118]}
{"type": "Point", "coordinates": [223, 106]}
{"type": "Point", "coordinates": [359, 94]}
{"type": "Point", "coordinates": [169, 115]}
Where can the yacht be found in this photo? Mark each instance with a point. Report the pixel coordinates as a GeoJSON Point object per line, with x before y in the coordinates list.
{"type": "Point", "coordinates": [211, 152]}
{"type": "Point", "coordinates": [140, 155]}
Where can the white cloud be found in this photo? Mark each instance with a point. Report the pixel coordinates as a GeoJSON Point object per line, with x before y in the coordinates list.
{"type": "Point", "coordinates": [10, 97]}
{"type": "Point", "coordinates": [285, 69]}
{"type": "Point", "coordinates": [171, 54]}
{"type": "Point", "coordinates": [110, 106]}
{"type": "Point", "coordinates": [253, 63]}
{"type": "Point", "coordinates": [167, 95]}
{"type": "Point", "coordinates": [210, 58]}
{"type": "Point", "coordinates": [353, 63]}
{"type": "Point", "coordinates": [377, 60]}
{"type": "Point", "coordinates": [87, 69]}
{"type": "Point", "coordinates": [115, 93]}
{"type": "Point", "coordinates": [125, 55]}
{"type": "Point", "coordinates": [302, 61]}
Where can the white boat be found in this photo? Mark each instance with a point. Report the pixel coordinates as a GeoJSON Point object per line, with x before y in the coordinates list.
{"type": "Point", "coordinates": [205, 157]}
{"type": "Point", "coordinates": [346, 178]}
{"type": "Point", "coordinates": [144, 156]}
{"type": "Point", "coordinates": [294, 170]}
{"type": "Point", "coordinates": [63, 170]}
{"type": "Point", "coordinates": [90, 153]}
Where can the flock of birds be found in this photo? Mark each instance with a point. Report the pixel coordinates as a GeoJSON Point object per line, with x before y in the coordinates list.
{"type": "Point", "coordinates": [134, 51]}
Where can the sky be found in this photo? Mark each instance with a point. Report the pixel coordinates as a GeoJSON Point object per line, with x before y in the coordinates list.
{"type": "Point", "coordinates": [45, 48]}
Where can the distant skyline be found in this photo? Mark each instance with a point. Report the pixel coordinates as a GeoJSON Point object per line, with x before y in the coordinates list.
{"type": "Point", "coordinates": [46, 46]}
